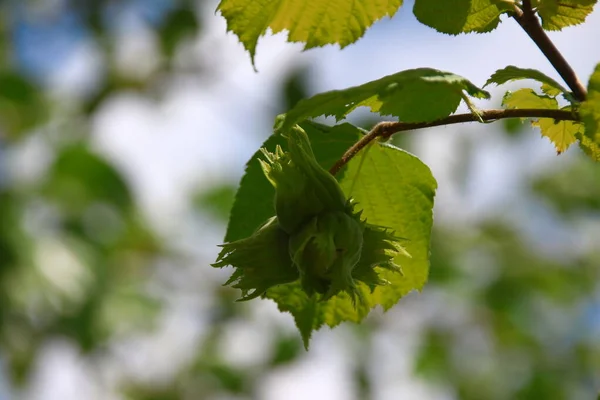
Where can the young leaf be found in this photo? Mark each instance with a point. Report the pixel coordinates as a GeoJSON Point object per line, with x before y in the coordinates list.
{"type": "Point", "coordinates": [527, 98]}
{"type": "Point", "coordinates": [512, 73]}
{"type": "Point", "coordinates": [561, 133]}
{"type": "Point", "coordinates": [314, 22]}
{"type": "Point", "coordinates": [550, 90]}
{"type": "Point", "coordinates": [558, 14]}
{"type": "Point", "coordinates": [416, 95]}
{"type": "Point", "coordinates": [590, 108]}
{"type": "Point", "coordinates": [310, 314]}
{"type": "Point", "coordinates": [592, 149]}
{"type": "Point", "coordinates": [460, 16]}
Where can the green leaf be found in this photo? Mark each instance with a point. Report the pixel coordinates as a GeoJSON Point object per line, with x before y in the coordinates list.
{"type": "Point", "coordinates": [512, 73]}
{"type": "Point", "coordinates": [527, 98]}
{"type": "Point", "coordinates": [590, 148]}
{"type": "Point", "coordinates": [558, 14]}
{"type": "Point", "coordinates": [394, 189]}
{"type": "Point", "coordinates": [561, 133]}
{"type": "Point", "coordinates": [314, 22]}
{"type": "Point", "coordinates": [590, 108]}
{"type": "Point", "coordinates": [310, 314]}
{"type": "Point", "coordinates": [550, 90]}
{"type": "Point", "coordinates": [460, 16]}
{"type": "Point", "coordinates": [416, 95]}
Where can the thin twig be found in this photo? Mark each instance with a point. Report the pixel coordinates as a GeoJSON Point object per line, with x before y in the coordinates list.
{"type": "Point", "coordinates": [531, 25]}
{"type": "Point", "coordinates": [384, 130]}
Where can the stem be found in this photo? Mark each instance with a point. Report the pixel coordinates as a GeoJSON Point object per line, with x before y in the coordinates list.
{"type": "Point", "coordinates": [386, 129]}
{"type": "Point", "coordinates": [531, 25]}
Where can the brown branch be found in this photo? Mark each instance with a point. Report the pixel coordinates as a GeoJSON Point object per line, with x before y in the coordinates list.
{"type": "Point", "coordinates": [531, 25]}
{"type": "Point", "coordinates": [384, 130]}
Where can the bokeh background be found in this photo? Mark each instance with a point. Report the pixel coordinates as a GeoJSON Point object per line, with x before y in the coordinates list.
{"type": "Point", "coordinates": [124, 129]}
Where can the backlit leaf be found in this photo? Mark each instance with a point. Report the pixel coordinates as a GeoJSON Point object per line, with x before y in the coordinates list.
{"type": "Point", "coordinates": [460, 16]}
{"type": "Point", "coordinates": [550, 90]}
{"type": "Point", "coordinates": [590, 108]}
{"type": "Point", "coordinates": [253, 203]}
{"type": "Point", "coordinates": [416, 95]}
{"type": "Point", "coordinates": [558, 14]}
{"type": "Point", "coordinates": [313, 22]}
{"type": "Point", "coordinates": [527, 98]}
{"type": "Point", "coordinates": [512, 73]}
{"type": "Point", "coordinates": [561, 133]}
{"type": "Point", "coordinates": [394, 189]}
{"type": "Point", "coordinates": [592, 149]}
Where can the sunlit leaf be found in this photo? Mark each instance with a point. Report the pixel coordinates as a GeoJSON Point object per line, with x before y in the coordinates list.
{"type": "Point", "coordinates": [512, 73]}
{"type": "Point", "coordinates": [460, 16]}
{"type": "Point", "coordinates": [590, 108]}
{"type": "Point", "coordinates": [528, 98]}
{"type": "Point", "coordinates": [558, 14]}
{"type": "Point", "coordinates": [313, 22]}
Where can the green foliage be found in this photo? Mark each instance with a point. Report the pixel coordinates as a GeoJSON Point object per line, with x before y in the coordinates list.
{"type": "Point", "coordinates": [512, 73]}
{"type": "Point", "coordinates": [77, 260]}
{"type": "Point", "coordinates": [395, 189]}
{"type": "Point", "coordinates": [460, 16]}
{"type": "Point", "coordinates": [313, 22]}
{"type": "Point", "coordinates": [21, 104]}
{"type": "Point", "coordinates": [561, 133]}
{"type": "Point", "coordinates": [317, 23]}
{"type": "Point", "coordinates": [403, 205]}
{"type": "Point", "coordinates": [416, 95]}
{"type": "Point", "coordinates": [558, 14]}
{"type": "Point", "coordinates": [590, 108]}
{"type": "Point", "coordinates": [253, 203]}
{"type": "Point", "coordinates": [568, 196]}
{"type": "Point", "coordinates": [311, 217]}
{"type": "Point", "coordinates": [528, 98]}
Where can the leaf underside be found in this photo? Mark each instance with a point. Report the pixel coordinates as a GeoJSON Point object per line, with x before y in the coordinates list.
{"type": "Point", "coordinates": [313, 22]}
{"type": "Point", "coordinates": [460, 16]}
{"type": "Point", "coordinates": [558, 14]}
{"type": "Point", "coordinates": [416, 95]}
{"type": "Point", "coordinates": [590, 113]}
{"type": "Point", "coordinates": [318, 23]}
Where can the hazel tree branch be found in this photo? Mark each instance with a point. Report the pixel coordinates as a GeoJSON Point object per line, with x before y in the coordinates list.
{"type": "Point", "coordinates": [531, 25]}
{"type": "Point", "coordinates": [385, 130]}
